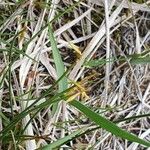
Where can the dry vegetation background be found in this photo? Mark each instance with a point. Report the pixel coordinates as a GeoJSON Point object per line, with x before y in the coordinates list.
{"type": "Point", "coordinates": [89, 30]}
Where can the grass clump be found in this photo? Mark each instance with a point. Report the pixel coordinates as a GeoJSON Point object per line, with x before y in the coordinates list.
{"type": "Point", "coordinates": [73, 80]}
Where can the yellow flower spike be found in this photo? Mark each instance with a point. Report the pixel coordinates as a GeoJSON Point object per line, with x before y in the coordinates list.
{"type": "Point", "coordinates": [71, 98]}
{"type": "Point", "coordinates": [79, 87]}
{"type": "Point", "coordinates": [76, 91]}
{"type": "Point", "coordinates": [76, 49]}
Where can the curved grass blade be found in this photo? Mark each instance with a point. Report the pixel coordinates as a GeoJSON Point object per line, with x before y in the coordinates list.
{"type": "Point", "coordinates": [108, 125]}
{"type": "Point", "coordinates": [61, 141]}
{"type": "Point", "coordinates": [83, 131]}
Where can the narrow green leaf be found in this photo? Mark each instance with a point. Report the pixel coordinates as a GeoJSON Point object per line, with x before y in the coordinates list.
{"type": "Point", "coordinates": [98, 62]}
{"type": "Point", "coordinates": [83, 131]}
{"type": "Point", "coordinates": [108, 125]}
{"type": "Point", "coordinates": [133, 59]}
{"type": "Point", "coordinates": [57, 60]}
{"type": "Point", "coordinates": [61, 141]}
{"type": "Point", "coordinates": [132, 118]}
{"type": "Point", "coordinates": [142, 60]}
{"type": "Point", "coordinates": [60, 69]}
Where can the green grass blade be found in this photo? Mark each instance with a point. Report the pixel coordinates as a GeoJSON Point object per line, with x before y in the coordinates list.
{"type": "Point", "coordinates": [60, 68]}
{"type": "Point", "coordinates": [61, 141]}
{"type": "Point", "coordinates": [97, 62]}
{"type": "Point", "coordinates": [133, 59]}
{"type": "Point", "coordinates": [144, 60]}
{"type": "Point", "coordinates": [83, 131]}
{"type": "Point", "coordinates": [108, 125]}
{"type": "Point", "coordinates": [132, 118]}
